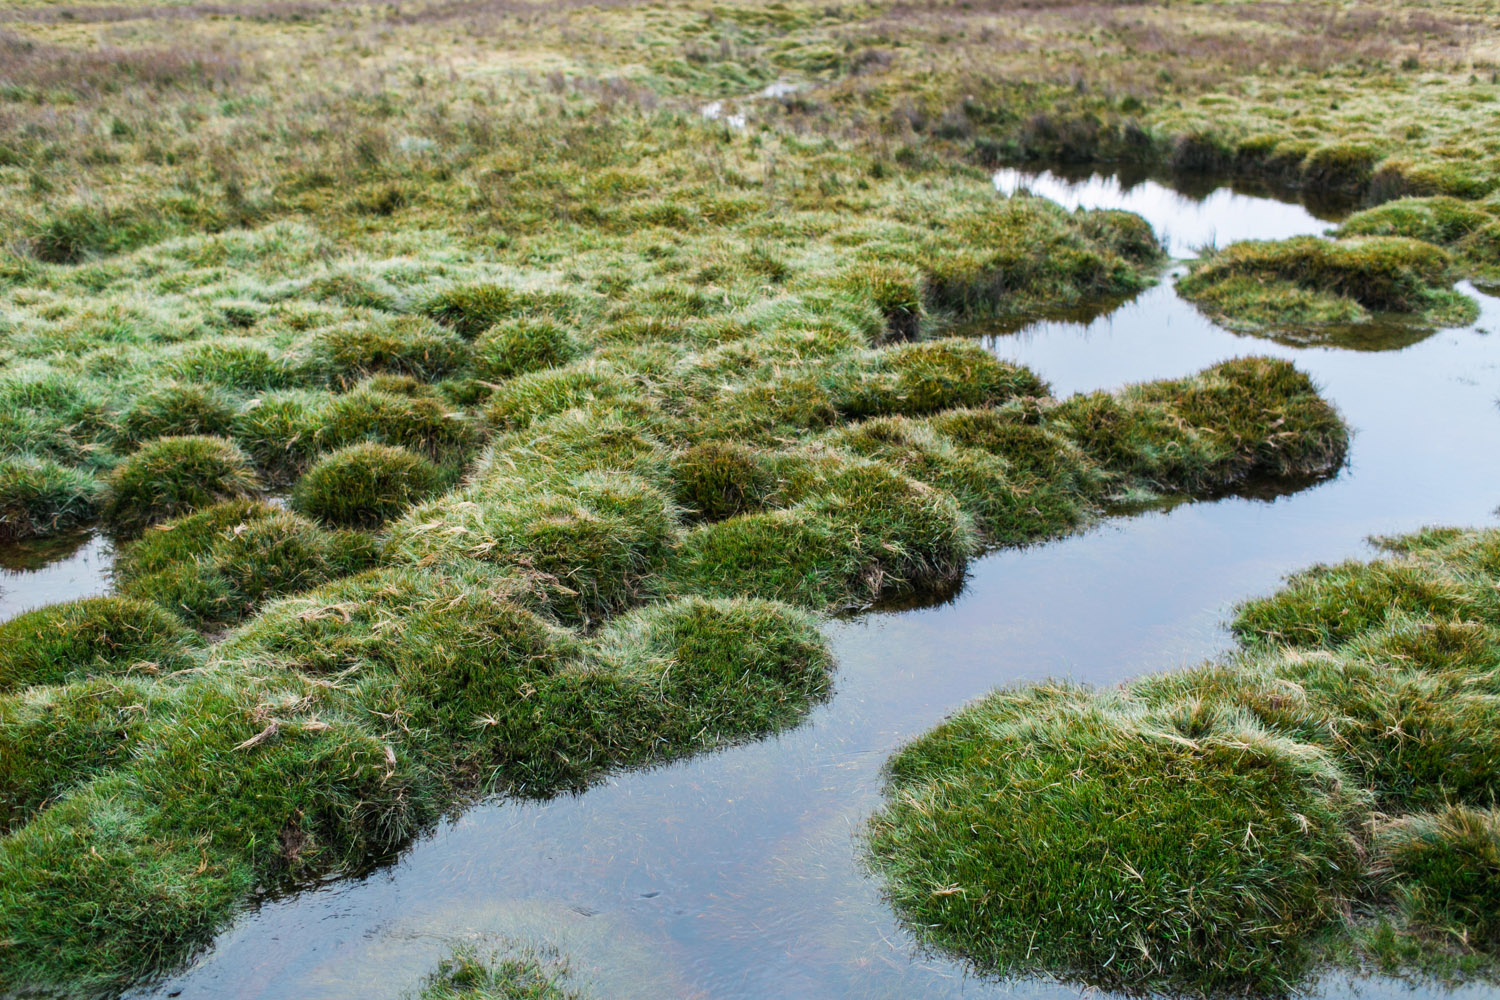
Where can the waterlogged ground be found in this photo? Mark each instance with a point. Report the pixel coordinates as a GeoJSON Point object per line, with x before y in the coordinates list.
{"type": "Point", "coordinates": [737, 875]}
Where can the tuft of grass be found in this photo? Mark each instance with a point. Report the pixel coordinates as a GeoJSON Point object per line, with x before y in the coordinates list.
{"type": "Point", "coordinates": [405, 345]}
{"type": "Point", "coordinates": [1444, 870]}
{"type": "Point", "coordinates": [95, 637]}
{"type": "Point", "coordinates": [178, 410]}
{"type": "Point", "coordinates": [525, 344]}
{"type": "Point", "coordinates": [1309, 282]}
{"type": "Point", "coordinates": [39, 497]}
{"type": "Point", "coordinates": [215, 566]}
{"type": "Point", "coordinates": [469, 310]}
{"type": "Point", "coordinates": [364, 485]}
{"type": "Point", "coordinates": [1051, 830]}
{"type": "Point", "coordinates": [171, 476]}
{"type": "Point", "coordinates": [715, 480]}
{"type": "Point", "coordinates": [467, 975]}
{"type": "Point", "coordinates": [1323, 794]}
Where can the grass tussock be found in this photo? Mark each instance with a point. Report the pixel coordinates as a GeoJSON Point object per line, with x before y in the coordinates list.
{"type": "Point", "coordinates": [171, 476]}
{"type": "Point", "coordinates": [1323, 794]}
{"type": "Point", "coordinates": [1307, 283]}
{"type": "Point", "coordinates": [468, 975]}
{"type": "Point", "coordinates": [364, 485]}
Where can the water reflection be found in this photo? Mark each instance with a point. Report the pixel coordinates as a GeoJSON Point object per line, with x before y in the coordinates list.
{"type": "Point", "coordinates": [1185, 219]}
{"type": "Point", "coordinates": [736, 876]}
{"type": "Point", "coordinates": [34, 574]}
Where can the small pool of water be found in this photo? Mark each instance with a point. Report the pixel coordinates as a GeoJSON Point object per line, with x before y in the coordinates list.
{"type": "Point", "coordinates": [35, 574]}
{"type": "Point", "coordinates": [1184, 220]}
{"type": "Point", "coordinates": [736, 876]}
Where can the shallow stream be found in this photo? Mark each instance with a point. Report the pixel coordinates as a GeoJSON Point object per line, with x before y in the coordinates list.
{"type": "Point", "coordinates": [736, 875]}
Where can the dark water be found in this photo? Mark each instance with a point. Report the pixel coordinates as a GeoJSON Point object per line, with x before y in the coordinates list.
{"type": "Point", "coordinates": [736, 876]}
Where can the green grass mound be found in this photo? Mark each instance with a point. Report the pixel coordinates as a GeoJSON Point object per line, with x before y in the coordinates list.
{"type": "Point", "coordinates": [1444, 870]}
{"type": "Point", "coordinates": [1237, 421]}
{"type": "Point", "coordinates": [1024, 250]}
{"type": "Point", "coordinates": [587, 547]}
{"type": "Point", "coordinates": [39, 497]}
{"type": "Point", "coordinates": [172, 476]}
{"type": "Point", "coordinates": [421, 422]}
{"type": "Point", "coordinates": [403, 345]}
{"type": "Point", "coordinates": [1050, 830]}
{"type": "Point", "coordinates": [178, 410]}
{"type": "Point", "coordinates": [1324, 794]}
{"type": "Point", "coordinates": [215, 566]}
{"type": "Point", "coordinates": [364, 485]}
{"type": "Point", "coordinates": [1306, 282]}
{"type": "Point", "coordinates": [98, 636]}
{"type": "Point", "coordinates": [336, 724]}
{"type": "Point", "coordinates": [1441, 220]}
{"type": "Point", "coordinates": [716, 480]}
{"type": "Point", "coordinates": [522, 345]}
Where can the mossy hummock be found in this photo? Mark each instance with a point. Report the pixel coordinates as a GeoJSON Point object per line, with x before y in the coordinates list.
{"type": "Point", "coordinates": [1323, 795]}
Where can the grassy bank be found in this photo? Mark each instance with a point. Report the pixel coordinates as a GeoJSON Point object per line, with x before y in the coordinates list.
{"type": "Point", "coordinates": [1324, 794]}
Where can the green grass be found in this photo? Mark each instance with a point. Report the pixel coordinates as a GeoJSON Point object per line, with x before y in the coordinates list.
{"type": "Point", "coordinates": [467, 975]}
{"type": "Point", "coordinates": [1320, 796]}
{"type": "Point", "coordinates": [174, 475]}
{"type": "Point", "coordinates": [1306, 283]}
{"type": "Point", "coordinates": [364, 485]}
{"type": "Point", "coordinates": [39, 497]}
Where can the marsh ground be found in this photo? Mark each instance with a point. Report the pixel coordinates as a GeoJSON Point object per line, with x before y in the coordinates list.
{"type": "Point", "coordinates": [245, 241]}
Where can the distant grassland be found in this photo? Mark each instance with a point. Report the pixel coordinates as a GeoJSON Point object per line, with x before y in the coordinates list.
{"type": "Point", "coordinates": [583, 403]}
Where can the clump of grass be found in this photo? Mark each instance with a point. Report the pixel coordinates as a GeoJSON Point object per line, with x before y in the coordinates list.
{"type": "Point", "coordinates": [215, 566]}
{"type": "Point", "coordinates": [1364, 692]}
{"type": "Point", "coordinates": [1444, 871]}
{"type": "Point", "coordinates": [1253, 417]}
{"type": "Point", "coordinates": [405, 345]}
{"type": "Point", "coordinates": [414, 420]}
{"type": "Point", "coordinates": [715, 480]}
{"type": "Point", "coordinates": [465, 975]}
{"type": "Point", "coordinates": [923, 378]}
{"type": "Point", "coordinates": [178, 410]}
{"type": "Point", "coordinates": [897, 291]}
{"type": "Point", "coordinates": [1308, 282]}
{"type": "Point", "coordinates": [1328, 605]}
{"type": "Point", "coordinates": [1340, 167]}
{"type": "Point", "coordinates": [587, 546]}
{"type": "Point", "coordinates": [364, 485]}
{"type": "Point", "coordinates": [233, 364]}
{"type": "Point", "coordinates": [171, 476]}
{"type": "Point", "coordinates": [1439, 220]}
{"type": "Point", "coordinates": [98, 636]}
{"type": "Point", "coordinates": [1051, 830]}
{"type": "Point", "coordinates": [39, 497]}
{"type": "Point", "coordinates": [1024, 252]}
{"type": "Point", "coordinates": [280, 432]}
{"type": "Point", "coordinates": [525, 344]}
{"type": "Point", "coordinates": [469, 310]}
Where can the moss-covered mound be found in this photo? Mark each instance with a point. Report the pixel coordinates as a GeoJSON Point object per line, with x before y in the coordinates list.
{"type": "Point", "coordinates": [174, 475]}
{"type": "Point", "coordinates": [98, 636]}
{"type": "Point", "coordinates": [1324, 793]}
{"type": "Point", "coordinates": [1306, 283]}
{"type": "Point", "coordinates": [364, 485]}
{"type": "Point", "coordinates": [336, 724]}
{"type": "Point", "coordinates": [214, 566]}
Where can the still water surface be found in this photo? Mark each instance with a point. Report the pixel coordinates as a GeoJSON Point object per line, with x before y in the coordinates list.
{"type": "Point", "coordinates": [736, 875]}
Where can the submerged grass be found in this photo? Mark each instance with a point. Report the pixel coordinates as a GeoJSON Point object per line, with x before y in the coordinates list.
{"type": "Point", "coordinates": [1324, 794]}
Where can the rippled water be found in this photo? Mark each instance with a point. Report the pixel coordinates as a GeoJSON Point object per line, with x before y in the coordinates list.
{"type": "Point", "coordinates": [58, 569]}
{"type": "Point", "coordinates": [736, 875]}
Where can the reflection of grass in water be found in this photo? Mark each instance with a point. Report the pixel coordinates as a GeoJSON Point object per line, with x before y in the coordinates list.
{"type": "Point", "coordinates": [1324, 793]}
{"type": "Point", "coordinates": [39, 553]}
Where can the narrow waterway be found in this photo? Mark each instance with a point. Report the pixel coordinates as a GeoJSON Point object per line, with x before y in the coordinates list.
{"type": "Point", "coordinates": [736, 876]}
